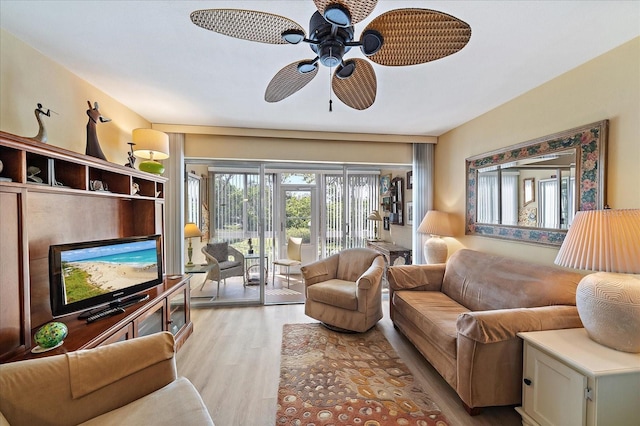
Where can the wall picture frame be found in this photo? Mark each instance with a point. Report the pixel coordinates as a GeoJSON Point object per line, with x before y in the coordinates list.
{"type": "Point", "coordinates": [385, 184]}
{"type": "Point", "coordinates": [410, 213]}
{"type": "Point", "coordinates": [529, 191]}
{"type": "Point", "coordinates": [410, 179]}
{"type": "Point", "coordinates": [386, 204]}
{"type": "Point", "coordinates": [386, 225]}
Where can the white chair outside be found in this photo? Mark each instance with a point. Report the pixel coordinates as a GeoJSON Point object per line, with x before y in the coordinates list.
{"type": "Point", "coordinates": [294, 258]}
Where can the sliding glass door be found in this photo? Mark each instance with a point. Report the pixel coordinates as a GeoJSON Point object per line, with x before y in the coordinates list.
{"type": "Point", "coordinates": [253, 210]}
{"type": "Point", "coordinates": [346, 208]}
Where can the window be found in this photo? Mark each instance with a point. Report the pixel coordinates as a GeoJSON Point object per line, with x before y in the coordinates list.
{"type": "Point", "coordinates": [193, 199]}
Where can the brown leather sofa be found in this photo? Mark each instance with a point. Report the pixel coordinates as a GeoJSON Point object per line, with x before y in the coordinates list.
{"type": "Point", "coordinates": [127, 383]}
{"type": "Point", "coordinates": [463, 316]}
{"type": "Point", "coordinates": [344, 291]}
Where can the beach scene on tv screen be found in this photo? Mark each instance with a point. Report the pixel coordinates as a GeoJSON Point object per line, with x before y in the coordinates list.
{"type": "Point", "coordinates": [99, 270]}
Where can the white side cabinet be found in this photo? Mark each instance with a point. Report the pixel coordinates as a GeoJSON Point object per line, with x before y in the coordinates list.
{"type": "Point", "coordinates": [568, 379]}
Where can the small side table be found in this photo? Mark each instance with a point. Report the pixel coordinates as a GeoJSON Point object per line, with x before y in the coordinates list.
{"type": "Point", "coordinates": [250, 263]}
{"type": "Point", "coordinates": [198, 268]}
{"type": "Point", "coordinates": [390, 251]}
{"type": "Point", "coordinates": [201, 268]}
{"type": "Point", "coordinates": [571, 380]}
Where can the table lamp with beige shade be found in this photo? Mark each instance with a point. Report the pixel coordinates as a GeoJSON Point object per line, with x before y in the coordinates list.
{"type": "Point", "coordinates": [437, 224]}
{"type": "Point", "coordinates": [191, 230]}
{"type": "Point", "coordinates": [608, 301]}
{"type": "Point", "coordinates": [150, 145]}
{"type": "Point", "coordinates": [375, 217]}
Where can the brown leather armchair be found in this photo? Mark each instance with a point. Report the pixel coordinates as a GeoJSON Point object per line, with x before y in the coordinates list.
{"type": "Point", "coordinates": [344, 291]}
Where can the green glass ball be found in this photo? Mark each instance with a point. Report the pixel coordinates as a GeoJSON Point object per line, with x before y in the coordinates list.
{"type": "Point", "coordinates": [51, 334]}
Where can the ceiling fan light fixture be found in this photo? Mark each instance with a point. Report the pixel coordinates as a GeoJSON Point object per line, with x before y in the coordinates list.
{"type": "Point", "coordinates": [293, 36]}
{"type": "Point", "coordinates": [337, 15]}
{"type": "Point", "coordinates": [305, 67]}
{"type": "Point", "coordinates": [398, 37]}
{"type": "Point", "coordinates": [346, 70]}
{"type": "Point", "coordinates": [331, 53]}
{"type": "Point", "coordinates": [371, 42]}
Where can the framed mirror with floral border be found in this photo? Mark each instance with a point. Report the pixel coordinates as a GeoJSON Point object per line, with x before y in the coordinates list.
{"type": "Point", "coordinates": [590, 144]}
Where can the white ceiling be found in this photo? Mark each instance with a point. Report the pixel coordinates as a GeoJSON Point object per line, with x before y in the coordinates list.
{"type": "Point", "coordinates": [149, 56]}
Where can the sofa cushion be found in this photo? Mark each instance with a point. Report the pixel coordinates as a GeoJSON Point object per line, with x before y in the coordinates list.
{"type": "Point", "coordinates": [220, 251]}
{"type": "Point", "coordinates": [482, 281]}
{"type": "Point", "coordinates": [177, 403]}
{"type": "Point", "coordinates": [434, 313]}
{"type": "Point", "coordinates": [93, 369]}
{"type": "Point", "coordinates": [335, 292]}
{"type": "Point", "coordinates": [353, 262]}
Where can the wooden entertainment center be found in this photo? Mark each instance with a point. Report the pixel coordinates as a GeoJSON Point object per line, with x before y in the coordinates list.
{"type": "Point", "coordinates": [63, 203]}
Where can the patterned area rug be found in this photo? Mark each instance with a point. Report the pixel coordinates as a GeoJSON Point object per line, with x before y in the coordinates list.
{"type": "Point", "coordinates": [330, 378]}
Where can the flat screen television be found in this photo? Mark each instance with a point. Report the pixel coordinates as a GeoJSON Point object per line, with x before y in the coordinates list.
{"type": "Point", "coordinates": [89, 274]}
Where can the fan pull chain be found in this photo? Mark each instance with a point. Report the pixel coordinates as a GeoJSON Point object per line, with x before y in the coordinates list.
{"type": "Point", "coordinates": [330, 89]}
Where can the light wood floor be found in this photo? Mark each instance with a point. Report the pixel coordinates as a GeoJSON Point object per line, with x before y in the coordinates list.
{"type": "Point", "coordinates": [233, 359]}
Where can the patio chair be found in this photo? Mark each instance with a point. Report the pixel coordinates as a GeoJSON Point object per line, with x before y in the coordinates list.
{"type": "Point", "coordinates": [294, 257]}
{"type": "Point", "coordinates": [227, 261]}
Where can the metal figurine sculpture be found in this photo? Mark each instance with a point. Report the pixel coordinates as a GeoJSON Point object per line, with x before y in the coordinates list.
{"type": "Point", "coordinates": [132, 158]}
{"type": "Point", "coordinates": [42, 132]}
{"type": "Point", "coordinates": [93, 147]}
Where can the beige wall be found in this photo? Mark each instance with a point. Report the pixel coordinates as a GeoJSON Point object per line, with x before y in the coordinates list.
{"type": "Point", "coordinates": [607, 87]}
{"type": "Point", "coordinates": [292, 149]}
{"type": "Point", "coordinates": [27, 78]}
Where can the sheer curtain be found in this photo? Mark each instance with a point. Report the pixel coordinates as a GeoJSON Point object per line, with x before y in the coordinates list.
{"type": "Point", "coordinates": [487, 210]}
{"type": "Point", "coordinates": [174, 205]}
{"type": "Point", "coordinates": [548, 210]}
{"type": "Point", "coordinates": [509, 198]}
{"type": "Point", "coordinates": [491, 200]}
{"type": "Point", "coordinates": [423, 154]}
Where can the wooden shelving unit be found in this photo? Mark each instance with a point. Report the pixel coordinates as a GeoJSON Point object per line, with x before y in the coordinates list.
{"type": "Point", "coordinates": [58, 205]}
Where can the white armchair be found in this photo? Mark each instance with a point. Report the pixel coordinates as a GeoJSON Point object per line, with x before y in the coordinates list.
{"type": "Point", "coordinates": [227, 261]}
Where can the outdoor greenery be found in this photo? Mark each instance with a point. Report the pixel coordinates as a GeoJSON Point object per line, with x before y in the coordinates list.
{"type": "Point", "coordinates": [77, 284]}
{"type": "Point", "coordinates": [236, 214]}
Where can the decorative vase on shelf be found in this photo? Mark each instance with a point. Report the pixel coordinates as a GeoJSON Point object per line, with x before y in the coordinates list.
{"type": "Point", "coordinates": [50, 336]}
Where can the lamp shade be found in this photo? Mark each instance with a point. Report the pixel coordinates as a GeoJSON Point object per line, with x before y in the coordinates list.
{"type": "Point", "coordinates": [436, 223]}
{"type": "Point", "coordinates": [151, 144]}
{"type": "Point", "coordinates": [375, 215]}
{"type": "Point", "coordinates": [191, 230]}
{"type": "Point", "coordinates": [603, 240]}
{"type": "Point", "coordinates": [608, 302]}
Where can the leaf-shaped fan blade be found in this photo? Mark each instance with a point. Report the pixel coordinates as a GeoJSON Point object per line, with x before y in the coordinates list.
{"type": "Point", "coordinates": [245, 24]}
{"type": "Point", "coordinates": [416, 36]}
{"type": "Point", "coordinates": [287, 82]}
{"type": "Point", "coordinates": [358, 9]}
{"type": "Point", "coordinates": [359, 90]}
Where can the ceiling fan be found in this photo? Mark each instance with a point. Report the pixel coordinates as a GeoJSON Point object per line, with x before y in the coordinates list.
{"type": "Point", "coordinates": [398, 37]}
